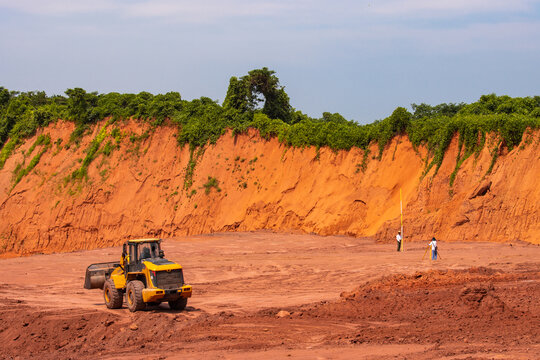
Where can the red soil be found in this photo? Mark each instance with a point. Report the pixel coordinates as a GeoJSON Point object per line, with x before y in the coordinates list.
{"type": "Point", "coordinates": [139, 191]}
{"type": "Point", "coordinates": [264, 295]}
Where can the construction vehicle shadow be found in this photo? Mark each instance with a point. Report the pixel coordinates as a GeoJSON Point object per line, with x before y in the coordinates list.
{"type": "Point", "coordinates": [165, 309]}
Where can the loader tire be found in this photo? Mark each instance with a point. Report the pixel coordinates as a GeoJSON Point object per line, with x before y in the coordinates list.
{"type": "Point", "coordinates": [113, 296]}
{"type": "Point", "coordinates": [134, 296]}
{"type": "Point", "coordinates": [179, 304]}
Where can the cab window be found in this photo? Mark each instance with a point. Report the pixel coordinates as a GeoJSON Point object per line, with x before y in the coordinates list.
{"type": "Point", "coordinates": [148, 250]}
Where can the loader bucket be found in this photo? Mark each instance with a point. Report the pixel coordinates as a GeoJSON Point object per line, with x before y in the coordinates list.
{"type": "Point", "coordinates": [97, 274]}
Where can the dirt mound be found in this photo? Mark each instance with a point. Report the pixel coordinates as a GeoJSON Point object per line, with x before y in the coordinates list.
{"type": "Point", "coordinates": [143, 187]}
{"type": "Point", "coordinates": [62, 334]}
{"type": "Point", "coordinates": [439, 306]}
{"type": "Point", "coordinates": [483, 298]}
{"type": "Point", "coordinates": [470, 311]}
{"type": "Point", "coordinates": [267, 295]}
{"type": "Point", "coordinates": [439, 289]}
{"type": "Point", "coordinates": [433, 279]}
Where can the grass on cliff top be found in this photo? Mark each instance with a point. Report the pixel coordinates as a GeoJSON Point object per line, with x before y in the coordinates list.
{"type": "Point", "coordinates": [202, 121]}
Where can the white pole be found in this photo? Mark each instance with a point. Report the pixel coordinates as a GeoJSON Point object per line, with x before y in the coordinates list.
{"type": "Point", "coordinates": [401, 209]}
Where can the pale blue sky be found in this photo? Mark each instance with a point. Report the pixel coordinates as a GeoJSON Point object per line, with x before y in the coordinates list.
{"type": "Point", "coordinates": [359, 58]}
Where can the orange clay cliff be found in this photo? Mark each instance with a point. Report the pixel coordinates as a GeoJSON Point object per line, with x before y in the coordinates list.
{"type": "Point", "coordinates": [245, 183]}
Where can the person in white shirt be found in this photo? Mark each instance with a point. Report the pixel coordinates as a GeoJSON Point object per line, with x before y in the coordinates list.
{"type": "Point", "coordinates": [433, 245]}
{"type": "Point", "coordinates": [398, 239]}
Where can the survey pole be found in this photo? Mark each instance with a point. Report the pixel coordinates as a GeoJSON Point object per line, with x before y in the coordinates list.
{"type": "Point", "coordinates": [401, 209]}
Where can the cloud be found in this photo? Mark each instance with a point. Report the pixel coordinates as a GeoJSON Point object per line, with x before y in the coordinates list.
{"type": "Point", "coordinates": [478, 37]}
{"type": "Point", "coordinates": [185, 10]}
{"type": "Point", "coordinates": [207, 10]}
{"type": "Point", "coordinates": [370, 24]}
{"type": "Point", "coordinates": [447, 8]}
{"type": "Point", "coordinates": [60, 7]}
{"type": "Point", "coordinates": [302, 10]}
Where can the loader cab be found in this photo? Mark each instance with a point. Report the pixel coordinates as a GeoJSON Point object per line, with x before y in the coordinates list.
{"type": "Point", "coordinates": [136, 251]}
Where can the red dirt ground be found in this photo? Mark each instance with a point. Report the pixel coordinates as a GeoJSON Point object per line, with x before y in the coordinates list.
{"type": "Point", "coordinates": [267, 295]}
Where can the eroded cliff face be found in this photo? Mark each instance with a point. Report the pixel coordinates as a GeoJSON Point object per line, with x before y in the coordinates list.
{"type": "Point", "coordinates": [503, 206]}
{"type": "Point", "coordinates": [140, 190]}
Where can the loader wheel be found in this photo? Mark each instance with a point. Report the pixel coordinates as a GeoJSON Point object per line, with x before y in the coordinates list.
{"type": "Point", "coordinates": [179, 304]}
{"type": "Point", "coordinates": [134, 295]}
{"type": "Point", "coordinates": [113, 296]}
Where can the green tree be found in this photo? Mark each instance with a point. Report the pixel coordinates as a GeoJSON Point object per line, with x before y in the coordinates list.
{"type": "Point", "coordinates": [80, 104]}
{"type": "Point", "coordinates": [444, 109]}
{"type": "Point", "coordinates": [260, 85]}
{"type": "Point", "coordinates": [399, 120]}
{"type": "Point", "coordinates": [277, 105]}
{"type": "Point", "coordinates": [238, 95]}
{"type": "Point", "coordinates": [5, 95]}
{"type": "Point", "coordinates": [335, 117]}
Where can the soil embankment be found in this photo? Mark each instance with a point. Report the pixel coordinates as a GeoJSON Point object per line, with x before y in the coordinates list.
{"type": "Point", "coordinates": [245, 183]}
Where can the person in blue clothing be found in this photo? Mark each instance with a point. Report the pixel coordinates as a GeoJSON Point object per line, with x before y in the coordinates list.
{"type": "Point", "coordinates": [433, 245]}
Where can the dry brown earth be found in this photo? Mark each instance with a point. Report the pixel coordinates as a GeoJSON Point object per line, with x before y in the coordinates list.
{"type": "Point", "coordinates": [267, 295]}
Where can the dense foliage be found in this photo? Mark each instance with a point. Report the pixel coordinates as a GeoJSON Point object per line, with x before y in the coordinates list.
{"type": "Point", "coordinates": [244, 95]}
{"type": "Point", "coordinates": [203, 120]}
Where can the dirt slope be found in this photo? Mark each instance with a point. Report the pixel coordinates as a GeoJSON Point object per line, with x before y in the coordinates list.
{"type": "Point", "coordinates": [139, 190]}
{"type": "Point", "coordinates": [502, 206]}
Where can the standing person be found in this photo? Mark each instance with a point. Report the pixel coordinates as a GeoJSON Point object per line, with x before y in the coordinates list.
{"type": "Point", "coordinates": [398, 239]}
{"type": "Point", "coordinates": [433, 245]}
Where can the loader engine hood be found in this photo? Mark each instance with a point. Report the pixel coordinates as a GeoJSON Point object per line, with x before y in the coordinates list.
{"type": "Point", "coordinates": [160, 264]}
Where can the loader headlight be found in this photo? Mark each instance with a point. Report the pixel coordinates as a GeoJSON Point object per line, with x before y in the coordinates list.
{"type": "Point", "coordinates": [153, 277]}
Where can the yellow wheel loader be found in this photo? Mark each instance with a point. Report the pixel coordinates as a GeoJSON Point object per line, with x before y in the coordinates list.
{"type": "Point", "coordinates": [143, 275]}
